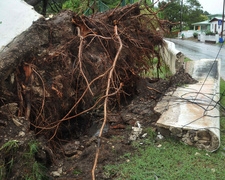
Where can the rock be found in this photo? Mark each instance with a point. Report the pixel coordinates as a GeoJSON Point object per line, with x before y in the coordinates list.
{"type": "Point", "coordinates": [71, 148]}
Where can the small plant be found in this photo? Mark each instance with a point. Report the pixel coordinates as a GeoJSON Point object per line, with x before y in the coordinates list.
{"type": "Point", "coordinates": [7, 151]}
{"type": "Point", "coordinates": [77, 172]}
{"type": "Point", "coordinates": [38, 171]}
{"type": "Point", "coordinates": [195, 35]}
{"type": "Point", "coordinates": [33, 147]}
{"type": "Point", "coordinates": [9, 146]}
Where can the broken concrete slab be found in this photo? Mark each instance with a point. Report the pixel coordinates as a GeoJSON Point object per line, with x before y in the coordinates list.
{"type": "Point", "coordinates": [191, 112]}
{"type": "Point", "coordinates": [16, 16]}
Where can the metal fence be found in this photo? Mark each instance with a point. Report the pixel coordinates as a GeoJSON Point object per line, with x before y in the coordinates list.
{"type": "Point", "coordinates": [98, 7]}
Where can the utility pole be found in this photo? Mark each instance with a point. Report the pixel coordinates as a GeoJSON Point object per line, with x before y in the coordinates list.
{"type": "Point", "coordinates": [181, 14]}
{"type": "Point", "coordinates": [222, 22]}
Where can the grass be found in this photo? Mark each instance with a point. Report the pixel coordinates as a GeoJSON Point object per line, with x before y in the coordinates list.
{"type": "Point", "coordinates": [13, 152]}
{"type": "Point", "coordinates": [170, 159]}
{"type": "Point", "coordinates": [164, 71]}
{"type": "Point", "coordinates": [222, 91]}
{"type": "Point", "coordinates": [6, 150]}
{"type": "Point", "coordinates": [186, 59]}
{"type": "Point", "coordinates": [11, 145]}
{"type": "Point", "coordinates": [32, 148]}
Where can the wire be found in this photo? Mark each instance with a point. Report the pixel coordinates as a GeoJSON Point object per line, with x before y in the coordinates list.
{"type": "Point", "coordinates": [209, 70]}
{"type": "Point", "coordinates": [212, 98]}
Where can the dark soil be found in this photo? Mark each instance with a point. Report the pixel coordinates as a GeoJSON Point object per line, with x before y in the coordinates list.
{"type": "Point", "coordinates": [73, 158]}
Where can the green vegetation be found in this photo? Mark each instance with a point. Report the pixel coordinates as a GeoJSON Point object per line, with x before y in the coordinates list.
{"type": "Point", "coordinates": [77, 6]}
{"type": "Point", "coordinates": [187, 13]}
{"type": "Point", "coordinates": [88, 7]}
{"type": "Point", "coordinates": [195, 35]}
{"type": "Point", "coordinates": [33, 147]}
{"type": "Point", "coordinates": [222, 100]}
{"type": "Point", "coordinates": [10, 146]}
{"type": "Point", "coordinates": [210, 33]}
{"type": "Point", "coordinates": [222, 112]}
{"type": "Point", "coordinates": [15, 155]}
{"type": "Point", "coordinates": [170, 159]}
{"type": "Point", "coordinates": [186, 59]}
{"type": "Point", "coordinates": [163, 72]}
{"type": "Point", "coordinates": [6, 150]}
{"type": "Point", "coordinates": [173, 11]}
{"type": "Point", "coordinates": [77, 172]}
{"type": "Point", "coordinates": [38, 171]}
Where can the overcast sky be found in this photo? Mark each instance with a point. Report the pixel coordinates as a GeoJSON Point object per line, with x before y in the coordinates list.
{"type": "Point", "coordinates": [212, 6]}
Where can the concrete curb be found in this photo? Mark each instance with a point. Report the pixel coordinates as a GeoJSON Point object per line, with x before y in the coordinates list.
{"type": "Point", "coordinates": [191, 113]}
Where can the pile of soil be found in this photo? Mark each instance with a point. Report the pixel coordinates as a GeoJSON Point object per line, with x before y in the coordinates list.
{"type": "Point", "coordinates": [71, 86]}
{"type": "Point", "coordinates": [74, 157]}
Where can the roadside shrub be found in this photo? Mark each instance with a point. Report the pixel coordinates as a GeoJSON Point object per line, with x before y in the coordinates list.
{"type": "Point", "coordinates": [209, 33]}
{"type": "Point", "coordinates": [195, 35]}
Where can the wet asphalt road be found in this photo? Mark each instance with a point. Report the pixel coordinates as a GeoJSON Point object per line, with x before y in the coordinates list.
{"type": "Point", "coordinates": [196, 50]}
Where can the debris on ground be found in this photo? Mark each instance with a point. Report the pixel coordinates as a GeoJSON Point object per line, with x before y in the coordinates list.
{"type": "Point", "coordinates": [136, 131]}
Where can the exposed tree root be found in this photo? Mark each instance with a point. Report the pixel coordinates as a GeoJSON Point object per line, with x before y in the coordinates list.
{"type": "Point", "coordinates": [71, 66]}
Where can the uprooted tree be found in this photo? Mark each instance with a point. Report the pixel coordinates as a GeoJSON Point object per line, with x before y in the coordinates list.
{"type": "Point", "coordinates": [60, 71]}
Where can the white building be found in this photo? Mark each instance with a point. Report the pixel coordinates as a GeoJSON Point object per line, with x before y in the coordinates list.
{"type": "Point", "coordinates": [213, 24]}
{"type": "Point", "coordinates": [216, 25]}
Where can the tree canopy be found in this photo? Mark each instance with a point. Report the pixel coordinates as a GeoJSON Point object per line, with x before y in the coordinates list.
{"type": "Point", "coordinates": [182, 13]}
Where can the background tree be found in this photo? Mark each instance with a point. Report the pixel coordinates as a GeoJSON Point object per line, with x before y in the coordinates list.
{"type": "Point", "coordinates": [183, 13]}
{"type": "Point", "coordinates": [78, 6]}
{"type": "Point", "coordinates": [192, 12]}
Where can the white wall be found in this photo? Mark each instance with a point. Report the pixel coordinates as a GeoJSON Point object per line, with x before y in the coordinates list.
{"type": "Point", "coordinates": [172, 57]}
{"type": "Point", "coordinates": [16, 16]}
{"type": "Point", "coordinates": [202, 37]}
{"type": "Point", "coordinates": [214, 27]}
{"type": "Point", "coordinates": [187, 34]}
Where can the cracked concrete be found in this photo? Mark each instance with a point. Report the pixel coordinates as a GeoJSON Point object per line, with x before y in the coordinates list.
{"type": "Point", "coordinates": [191, 112]}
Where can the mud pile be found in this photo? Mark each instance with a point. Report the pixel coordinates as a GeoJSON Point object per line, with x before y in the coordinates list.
{"type": "Point", "coordinates": [63, 74]}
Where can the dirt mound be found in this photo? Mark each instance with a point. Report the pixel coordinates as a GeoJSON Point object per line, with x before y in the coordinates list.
{"type": "Point", "coordinates": [70, 80]}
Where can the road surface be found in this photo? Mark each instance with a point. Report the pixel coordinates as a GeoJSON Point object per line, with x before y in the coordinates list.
{"type": "Point", "coordinates": [196, 50]}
